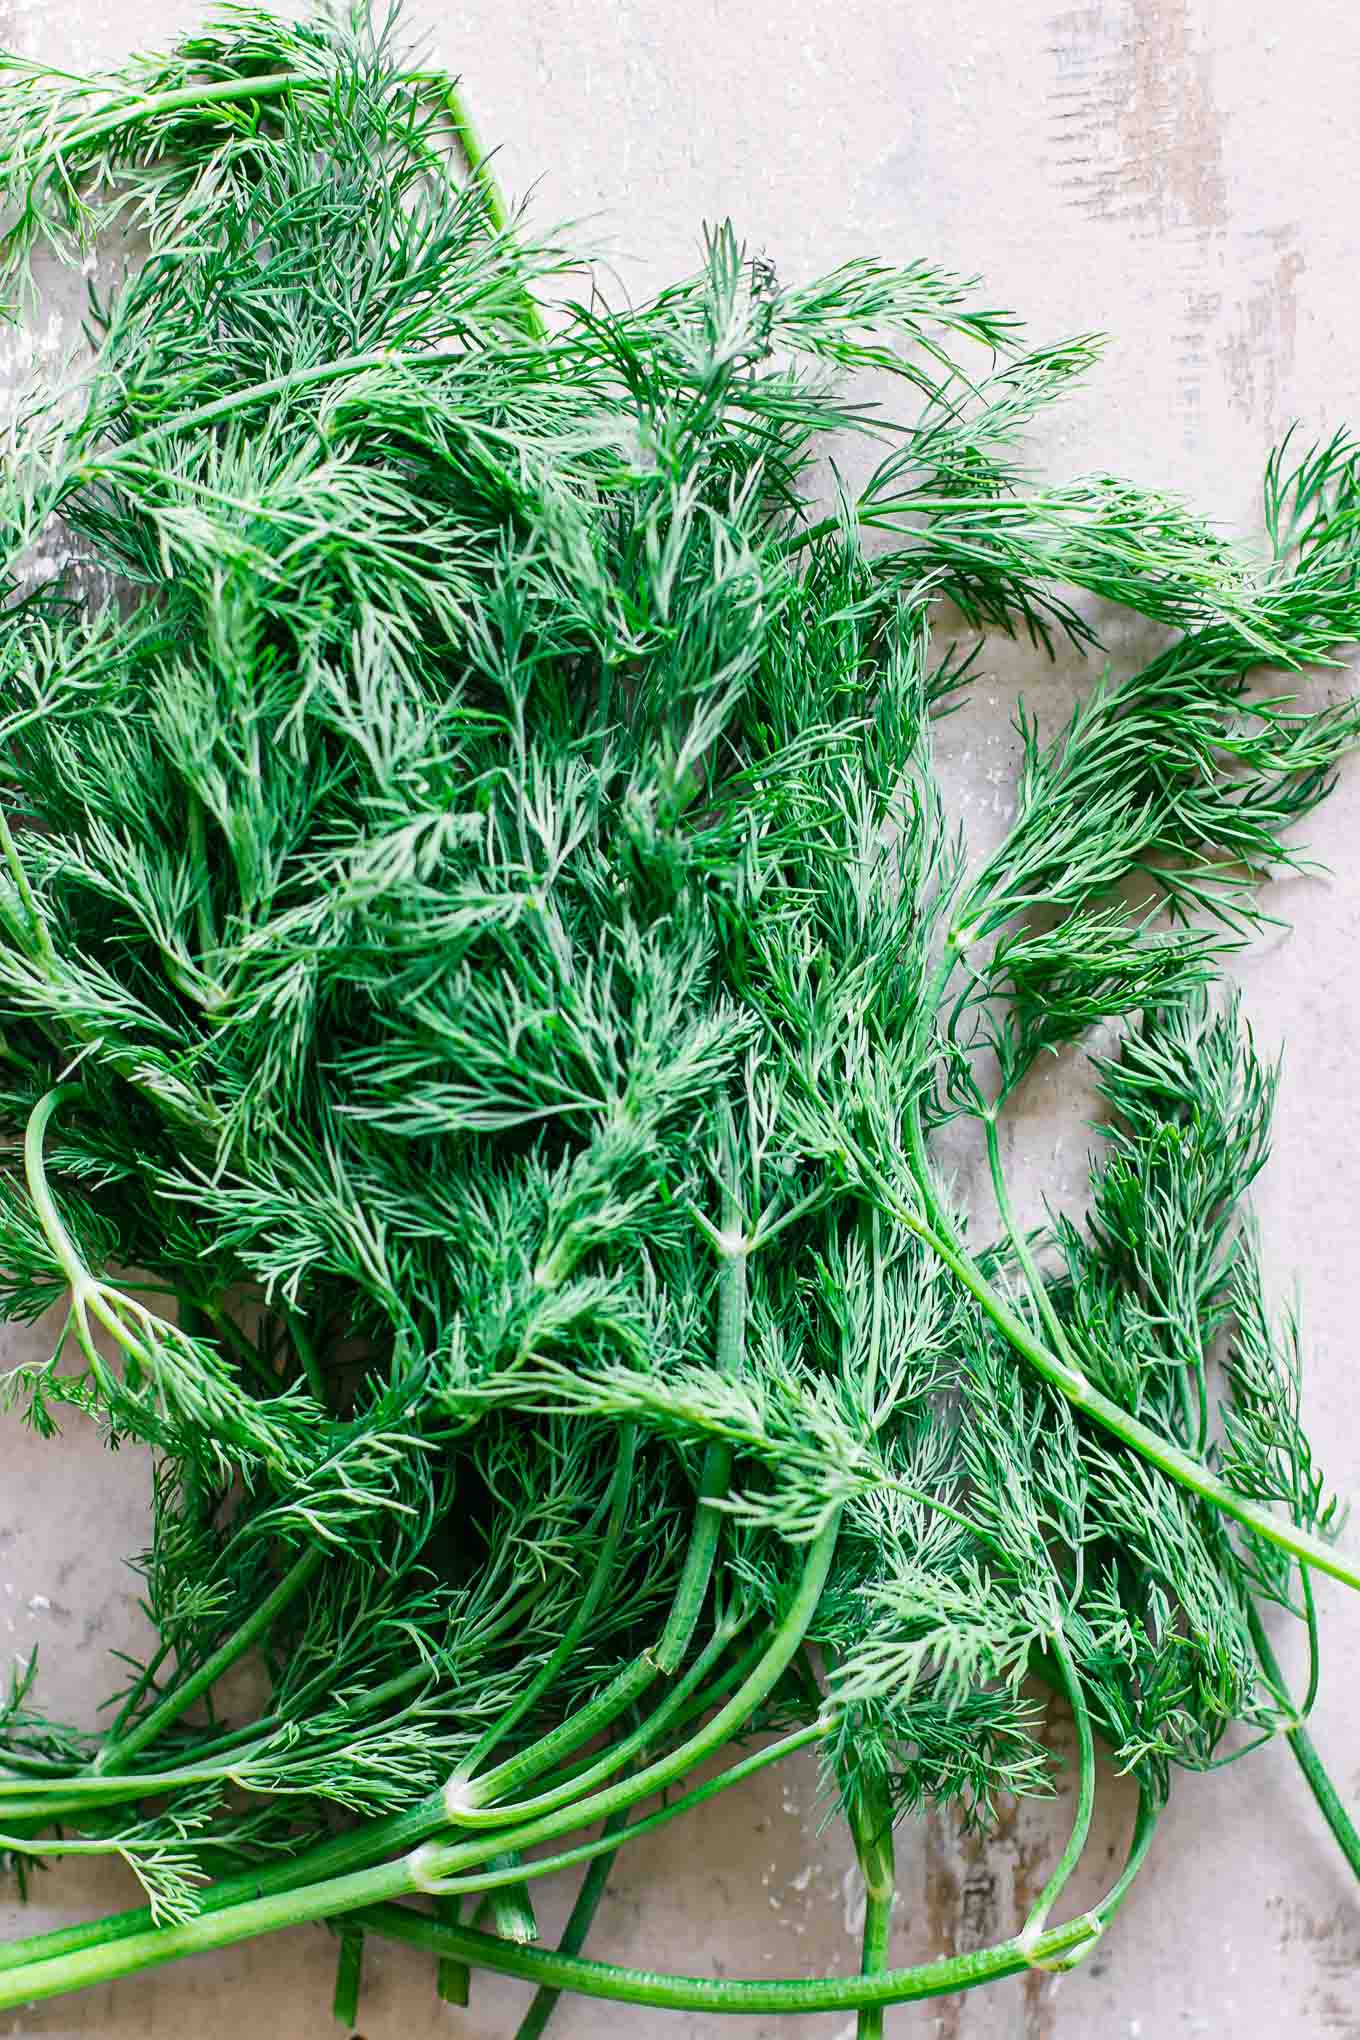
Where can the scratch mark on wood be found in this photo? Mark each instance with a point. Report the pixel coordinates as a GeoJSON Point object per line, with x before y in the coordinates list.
{"type": "Point", "coordinates": [1259, 353]}
{"type": "Point", "coordinates": [1135, 120]}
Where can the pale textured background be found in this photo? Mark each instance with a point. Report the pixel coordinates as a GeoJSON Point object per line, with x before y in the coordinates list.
{"type": "Point", "coordinates": [1182, 176]}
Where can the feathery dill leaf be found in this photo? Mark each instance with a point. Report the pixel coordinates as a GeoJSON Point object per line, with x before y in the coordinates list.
{"type": "Point", "coordinates": [481, 940]}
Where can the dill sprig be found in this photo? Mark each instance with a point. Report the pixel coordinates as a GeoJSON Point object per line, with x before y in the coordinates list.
{"type": "Point", "coordinates": [481, 939]}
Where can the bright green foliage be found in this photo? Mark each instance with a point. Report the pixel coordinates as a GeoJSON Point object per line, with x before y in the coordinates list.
{"type": "Point", "coordinates": [480, 937]}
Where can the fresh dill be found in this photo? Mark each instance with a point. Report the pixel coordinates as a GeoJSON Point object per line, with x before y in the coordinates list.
{"type": "Point", "coordinates": [481, 937]}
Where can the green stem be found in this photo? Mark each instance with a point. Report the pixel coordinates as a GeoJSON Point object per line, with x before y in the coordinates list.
{"type": "Point", "coordinates": [349, 1975]}
{"type": "Point", "coordinates": [346, 1854]}
{"type": "Point", "coordinates": [103, 1958]}
{"type": "Point", "coordinates": [224, 1758]}
{"type": "Point", "coordinates": [453, 1979]}
{"type": "Point", "coordinates": [939, 1233]}
{"type": "Point", "coordinates": [198, 851]}
{"type": "Point", "coordinates": [666, 1656]}
{"type": "Point", "coordinates": [40, 1192]}
{"type": "Point", "coordinates": [1170, 1459]}
{"type": "Point", "coordinates": [1086, 1792]}
{"type": "Point", "coordinates": [508, 1904]}
{"type": "Point", "coordinates": [367, 1844]}
{"type": "Point", "coordinates": [716, 1474]}
{"type": "Point", "coordinates": [607, 1840]}
{"type": "Point", "coordinates": [871, 1825]}
{"type": "Point", "coordinates": [579, 1922]}
{"type": "Point", "coordinates": [677, 1712]}
{"type": "Point", "coordinates": [271, 85]}
{"type": "Point", "coordinates": [46, 955]}
{"type": "Point", "coordinates": [872, 1364]}
{"type": "Point", "coordinates": [480, 171]}
{"type": "Point", "coordinates": [554, 1971]}
{"type": "Point", "coordinates": [478, 165]}
{"type": "Point", "coordinates": [485, 1803]}
{"type": "Point", "coordinates": [620, 1497]}
{"type": "Point", "coordinates": [1305, 1751]}
{"type": "Point", "coordinates": [116, 1754]}
{"type": "Point", "coordinates": [307, 1354]}
{"type": "Point", "coordinates": [1034, 1280]}
{"type": "Point", "coordinates": [1309, 1699]}
{"type": "Point", "coordinates": [548, 1819]}
{"type": "Point", "coordinates": [241, 400]}
{"type": "Point", "coordinates": [1056, 1947]}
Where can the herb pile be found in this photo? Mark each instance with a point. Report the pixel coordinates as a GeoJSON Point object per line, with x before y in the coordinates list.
{"type": "Point", "coordinates": [481, 939]}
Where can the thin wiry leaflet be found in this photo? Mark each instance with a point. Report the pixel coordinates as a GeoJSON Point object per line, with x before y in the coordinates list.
{"type": "Point", "coordinates": [485, 967]}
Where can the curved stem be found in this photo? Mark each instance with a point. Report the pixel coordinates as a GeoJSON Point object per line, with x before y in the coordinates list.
{"type": "Point", "coordinates": [101, 1957]}
{"type": "Point", "coordinates": [176, 1702]}
{"type": "Point", "coordinates": [270, 85]}
{"type": "Point", "coordinates": [1057, 1947]}
{"type": "Point", "coordinates": [1305, 1751]}
{"type": "Point", "coordinates": [733, 1715]}
{"type": "Point", "coordinates": [1180, 1466]}
{"type": "Point", "coordinates": [1309, 1699]}
{"type": "Point", "coordinates": [40, 1191]}
{"type": "Point", "coordinates": [1086, 1792]}
{"type": "Point", "coordinates": [620, 1495]}
{"type": "Point", "coordinates": [619, 1825]}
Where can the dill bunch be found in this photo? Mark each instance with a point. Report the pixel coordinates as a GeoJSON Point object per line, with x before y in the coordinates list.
{"type": "Point", "coordinates": [482, 940]}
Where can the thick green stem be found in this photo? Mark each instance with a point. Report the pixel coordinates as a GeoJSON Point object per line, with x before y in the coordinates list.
{"type": "Point", "coordinates": [349, 1976]}
{"type": "Point", "coordinates": [485, 1803]}
{"type": "Point", "coordinates": [508, 1904]}
{"type": "Point", "coordinates": [871, 1824]}
{"type": "Point", "coordinates": [347, 1854]}
{"type": "Point", "coordinates": [607, 1840]}
{"type": "Point", "coordinates": [729, 1719]}
{"type": "Point", "coordinates": [380, 1838]}
{"type": "Point", "coordinates": [724, 1994]}
{"type": "Point", "coordinates": [1305, 1751]}
{"type": "Point", "coordinates": [104, 1960]}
